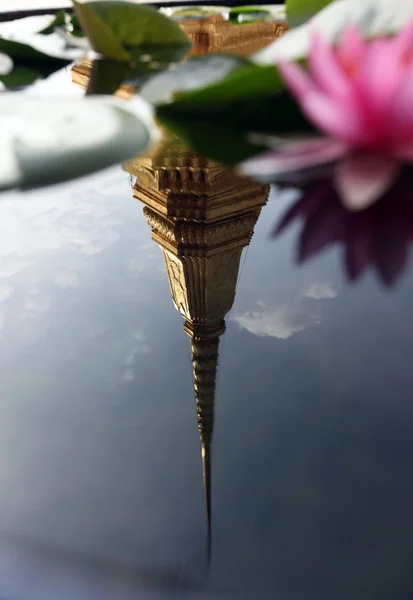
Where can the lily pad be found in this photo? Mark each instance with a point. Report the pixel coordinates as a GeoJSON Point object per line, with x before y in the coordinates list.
{"type": "Point", "coordinates": [118, 29]}
{"type": "Point", "coordinates": [373, 17]}
{"type": "Point", "coordinates": [48, 140]}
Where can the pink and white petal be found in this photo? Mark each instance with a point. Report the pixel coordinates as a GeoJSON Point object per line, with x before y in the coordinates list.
{"type": "Point", "coordinates": [295, 157]}
{"type": "Point", "coordinates": [351, 49]}
{"type": "Point", "coordinates": [379, 78]}
{"type": "Point", "coordinates": [402, 43]}
{"type": "Point", "coordinates": [297, 80]}
{"type": "Point", "coordinates": [362, 179]}
{"type": "Point", "coordinates": [326, 69]}
{"type": "Point", "coordinates": [336, 118]}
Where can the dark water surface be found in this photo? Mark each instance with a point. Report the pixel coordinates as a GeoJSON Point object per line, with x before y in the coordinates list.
{"type": "Point", "coordinates": [312, 461]}
{"type": "Point", "coordinates": [313, 450]}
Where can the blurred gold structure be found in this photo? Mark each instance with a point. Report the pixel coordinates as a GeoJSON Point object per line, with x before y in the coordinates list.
{"type": "Point", "coordinates": [202, 215]}
{"type": "Point", "coordinates": [217, 34]}
{"type": "Point", "coordinates": [212, 33]}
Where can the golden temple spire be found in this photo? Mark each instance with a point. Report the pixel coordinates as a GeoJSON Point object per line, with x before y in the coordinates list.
{"type": "Point", "coordinates": [202, 215]}
{"type": "Point", "coordinates": [204, 346]}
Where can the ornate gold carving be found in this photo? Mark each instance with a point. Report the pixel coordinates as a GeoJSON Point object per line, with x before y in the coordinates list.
{"type": "Point", "coordinates": [215, 34]}
{"type": "Point", "coordinates": [185, 236]}
{"type": "Point", "coordinates": [203, 289]}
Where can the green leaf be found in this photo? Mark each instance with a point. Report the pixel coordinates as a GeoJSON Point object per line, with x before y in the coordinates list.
{"type": "Point", "coordinates": [107, 76]}
{"type": "Point", "coordinates": [116, 29]}
{"type": "Point", "coordinates": [251, 99]}
{"type": "Point", "coordinates": [76, 30]}
{"type": "Point", "coordinates": [23, 53]}
{"type": "Point", "coordinates": [47, 140]}
{"type": "Point", "coordinates": [213, 138]}
{"type": "Point", "coordinates": [20, 77]}
{"type": "Point", "coordinates": [59, 21]}
{"type": "Point", "coordinates": [29, 63]}
{"type": "Point", "coordinates": [300, 11]}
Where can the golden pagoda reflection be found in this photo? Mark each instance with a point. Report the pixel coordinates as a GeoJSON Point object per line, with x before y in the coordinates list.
{"type": "Point", "coordinates": [202, 215]}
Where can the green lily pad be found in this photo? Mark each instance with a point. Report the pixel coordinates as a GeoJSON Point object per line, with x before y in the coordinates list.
{"type": "Point", "coordinates": [118, 29]}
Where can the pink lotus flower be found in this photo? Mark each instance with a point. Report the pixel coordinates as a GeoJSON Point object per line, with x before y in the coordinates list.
{"type": "Point", "coordinates": [361, 95]}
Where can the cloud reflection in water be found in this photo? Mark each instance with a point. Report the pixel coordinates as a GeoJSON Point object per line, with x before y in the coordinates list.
{"type": "Point", "coordinates": [285, 320]}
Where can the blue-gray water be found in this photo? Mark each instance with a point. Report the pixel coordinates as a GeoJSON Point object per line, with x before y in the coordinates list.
{"type": "Point", "coordinates": [99, 451]}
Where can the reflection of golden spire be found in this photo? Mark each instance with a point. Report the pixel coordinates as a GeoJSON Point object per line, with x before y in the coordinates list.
{"type": "Point", "coordinates": [202, 215]}
{"type": "Point", "coordinates": [204, 344]}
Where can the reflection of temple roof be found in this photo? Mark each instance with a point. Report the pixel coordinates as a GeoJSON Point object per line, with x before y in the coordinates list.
{"type": "Point", "coordinates": [182, 185]}
{"type": "Point", "coordinates": [208, 34]}
{"type": "Point", "coordinates": [202, 215]}
{"type": "Point", "coordinates": [216, 34]}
